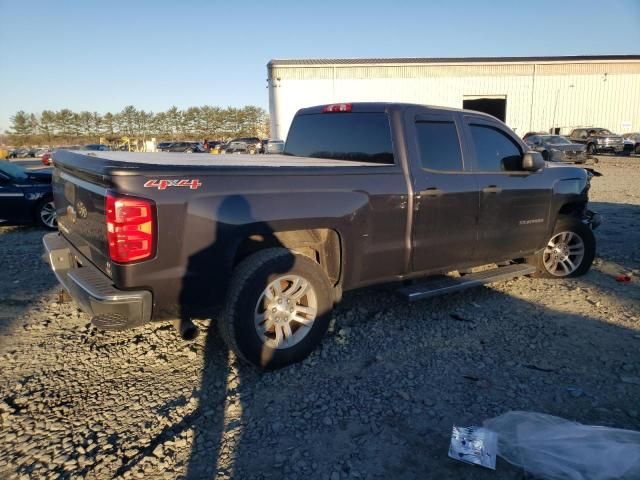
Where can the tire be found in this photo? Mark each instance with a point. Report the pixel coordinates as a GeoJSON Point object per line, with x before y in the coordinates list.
{"type": "Point", "coordinates": [545, 155]}
{"type": "Point", "coordinates": [568, 236]}
{"type": "Point", "coordinates": [46, 215]}
{"type": "Point", "coordinates": [591, 149]}
{"type": "Point", "coordinates": [247, 299]}
{"type": "Point", "coordinates": [637, 149]}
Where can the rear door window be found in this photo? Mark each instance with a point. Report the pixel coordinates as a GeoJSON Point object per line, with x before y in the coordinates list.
{"type": "Point", "coordinates": [364, 137]}
{"type": "Point", "coordinates": [439, 146]}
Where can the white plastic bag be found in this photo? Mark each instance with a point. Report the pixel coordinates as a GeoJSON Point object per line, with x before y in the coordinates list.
{"type": "Point", "coordinates": [558, 449]}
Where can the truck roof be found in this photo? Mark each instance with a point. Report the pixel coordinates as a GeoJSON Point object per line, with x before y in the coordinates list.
{"type": "Point", "coordinates": [371, 107]}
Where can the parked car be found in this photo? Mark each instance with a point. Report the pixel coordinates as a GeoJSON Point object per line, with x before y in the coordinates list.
{"type": "Point", "coordinates": [40, 152]}
{"type": "Point", "coordinates": [274, 146]}
{"type": "Point", "coordinates": [237, 147]}
{"type": "Point", "coordinates": [46, 158]}
{"type": "Point", "coordinates": [19, 153]}
{"type": "Point", "coordinates": [252, 145]}
{"type": "Point", "coordinates": [184, 147]}
{"type": "Point", "coordinates": [529, 134]}
{"type": "Point", "coordinates": [597, 140]}
{"type": "Point", "coordinates": [25, 197]}
{"type": "Point", "coordinates": [629, 147]}
{"type": "Point", "coordinates": [632, 139]}
{"type": "Point", "coordinates": [96, 147]}
{"type": "Point", "coordinates": [162, 146]}
{"type": "Point", "coordinates": [214, 146]}
{"type": "Point", "coordinates": [364, 193]}
{"type": "Point", "coordinates": [556, 148]}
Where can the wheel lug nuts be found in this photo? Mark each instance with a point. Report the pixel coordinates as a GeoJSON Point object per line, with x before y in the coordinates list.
{"type": "Point", "coordinates": [279, 300]}
{"type": "Point", "coordinates": [273, 309]}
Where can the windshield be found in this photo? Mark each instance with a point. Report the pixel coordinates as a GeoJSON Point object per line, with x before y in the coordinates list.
{"type": "Point", "coordinates": [13, 170]}
{"type": "Point", "coordinates": [604, 131]}
{"type": "Point", "coordinates": [555, 140]}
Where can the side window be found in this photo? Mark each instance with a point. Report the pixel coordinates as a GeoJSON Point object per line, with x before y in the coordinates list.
{"type": "Point", "coordinates": [495, 150]}
{"type": "Point", "coordinates": [439, 146]}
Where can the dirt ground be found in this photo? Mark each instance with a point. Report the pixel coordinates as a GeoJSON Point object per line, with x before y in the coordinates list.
{"type": "Point", "coordinates": [377, 400]}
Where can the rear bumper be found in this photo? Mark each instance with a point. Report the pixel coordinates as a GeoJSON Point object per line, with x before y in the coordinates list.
{"type": "Point", "coordinates": [93, 291]}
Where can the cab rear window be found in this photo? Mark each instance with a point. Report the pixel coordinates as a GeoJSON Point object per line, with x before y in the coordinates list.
{"type": "Point", "coordinates": [363, 137]}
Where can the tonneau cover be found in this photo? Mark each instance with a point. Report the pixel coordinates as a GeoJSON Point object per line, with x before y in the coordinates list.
{"type": "Point", "coordinates": [223, 160]}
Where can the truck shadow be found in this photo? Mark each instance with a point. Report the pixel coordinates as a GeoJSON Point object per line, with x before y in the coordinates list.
{"type": "Point", "coordinates": [19, 290]}
{"type": "Point", "coordinates": [217, 420]}
{"type": "Point", "coordinates": [391, 378]}
{"type": "Point", "coordinates": [457, 366]}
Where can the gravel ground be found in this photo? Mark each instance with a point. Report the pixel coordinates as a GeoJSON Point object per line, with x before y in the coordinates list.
{"type": "Point", "coordinates": [377, 400]}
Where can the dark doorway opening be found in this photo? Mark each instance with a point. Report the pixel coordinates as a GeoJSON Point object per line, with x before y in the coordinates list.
{"type": "Point", "coordinates": [493, 106]}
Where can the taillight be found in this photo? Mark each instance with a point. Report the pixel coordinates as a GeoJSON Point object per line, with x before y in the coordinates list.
{"type": "Point", "coordinates": [130, 228]}
{"type": "Point", "coordinates": [337, 108]}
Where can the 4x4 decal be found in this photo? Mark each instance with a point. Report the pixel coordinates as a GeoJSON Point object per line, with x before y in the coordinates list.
{"type": "Point", "coordinates": [164, 184]}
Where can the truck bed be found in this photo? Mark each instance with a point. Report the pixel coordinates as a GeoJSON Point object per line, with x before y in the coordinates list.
{"type": "Point", "coordinates": [168, 159]}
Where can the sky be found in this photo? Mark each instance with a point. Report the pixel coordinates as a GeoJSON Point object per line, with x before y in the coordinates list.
{"type": "Point", "coordinates": [103, 55]}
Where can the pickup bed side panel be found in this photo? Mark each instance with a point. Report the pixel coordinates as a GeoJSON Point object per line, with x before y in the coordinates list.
{"type": "Point", "coordinates": [199, 231]}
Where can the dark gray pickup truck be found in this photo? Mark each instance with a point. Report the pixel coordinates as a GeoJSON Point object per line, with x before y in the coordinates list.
{"type": "Point", "coordinates": [364, 193]}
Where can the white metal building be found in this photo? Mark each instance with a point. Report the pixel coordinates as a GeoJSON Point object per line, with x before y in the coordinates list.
{"type": "Point", "coordinates": [528, 93]}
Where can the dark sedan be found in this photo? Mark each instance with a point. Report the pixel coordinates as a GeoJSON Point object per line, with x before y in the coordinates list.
{"type": "Point", "coordinates": [25, 197]}
{"type": "Point", "coordinates": [184, 147]}
{"type": "Point", "coordinates": [556, 148]}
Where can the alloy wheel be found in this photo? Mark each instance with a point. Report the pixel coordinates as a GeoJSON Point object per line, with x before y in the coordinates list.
{"type": "Point", "coordinates": [48, 215]}
{"type": "Point", "coordinates": [286, 311]}
{"type": "Point", "coordinates": [563, 254]}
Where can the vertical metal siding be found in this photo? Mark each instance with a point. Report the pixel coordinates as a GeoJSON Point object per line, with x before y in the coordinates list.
{"type": "Point", "coordinates": [603, 94]}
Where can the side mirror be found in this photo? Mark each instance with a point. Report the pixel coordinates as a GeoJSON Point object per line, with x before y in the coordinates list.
{"type": "Point", "coordinates": [532, 161]}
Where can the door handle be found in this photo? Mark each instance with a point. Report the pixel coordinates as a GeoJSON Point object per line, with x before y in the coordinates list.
{"type": "Point", "coordinates": [431, 192]}
{"type": "Point", "coordinates": [491, 189]}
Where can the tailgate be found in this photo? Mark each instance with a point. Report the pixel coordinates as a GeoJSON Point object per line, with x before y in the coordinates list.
{"type": "Point", "coordinates": [80, 207]}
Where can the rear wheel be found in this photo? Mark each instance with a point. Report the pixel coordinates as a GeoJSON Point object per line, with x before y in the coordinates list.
{"type": "Point", "coordinates": [591, 149]}
{"type": "Point", "coordinates": [568, 253]}
{"type": "Point", "coordinates": [277, 308]}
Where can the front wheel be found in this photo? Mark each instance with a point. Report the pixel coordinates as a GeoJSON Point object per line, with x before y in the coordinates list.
{"type": "Point", "coordinates": [277, 309]}
{"type": "Point", "coordinates": [568, 253]}
{"type": "Point", "coordinates": [591, 149]}
{"type": "Point", "coordinates": [46, 215]}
